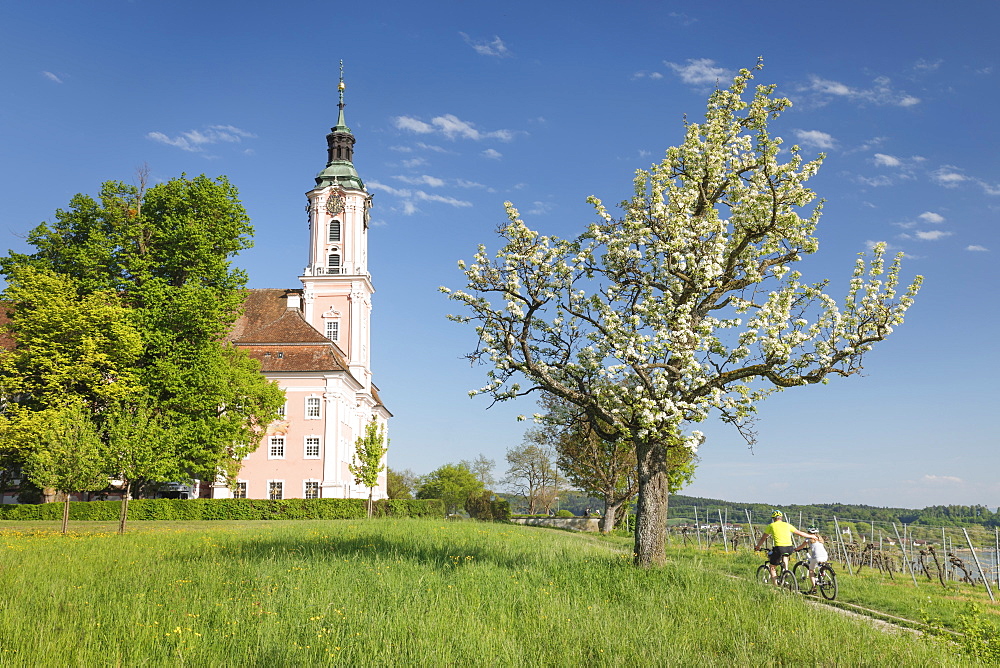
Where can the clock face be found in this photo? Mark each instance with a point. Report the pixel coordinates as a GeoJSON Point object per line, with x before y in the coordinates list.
{"type": "Point", "coordinates": [335, 203]}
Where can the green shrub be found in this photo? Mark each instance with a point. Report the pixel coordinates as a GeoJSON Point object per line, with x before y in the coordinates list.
{"type": "Point", "coordinates": [565, 513]}
{"type": "Point", "coordinates": [487, 508]}
{"type": "Point", "coordinates": [225, 509]}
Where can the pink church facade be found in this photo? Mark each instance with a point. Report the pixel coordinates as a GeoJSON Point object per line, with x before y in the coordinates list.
{"type": "Point", "coordinates": [314, 342]}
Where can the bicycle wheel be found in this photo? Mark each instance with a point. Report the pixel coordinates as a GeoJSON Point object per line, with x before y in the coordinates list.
{"type": "Point", "coordinates": [763, 574]}
{"type": "Point", "coordinates": [801, 573]}
{"type": "Point", "coordinates": [826, 580]}
{"type": "Point", "coordinates": [787, 581]}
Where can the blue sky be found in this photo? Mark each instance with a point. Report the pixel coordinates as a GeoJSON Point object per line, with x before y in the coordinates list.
{"type": "Point", "coordinates": [458, 106]}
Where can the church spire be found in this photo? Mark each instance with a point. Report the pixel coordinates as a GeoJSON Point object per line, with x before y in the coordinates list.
{"type": "Point", "coordinates": [340, 151]}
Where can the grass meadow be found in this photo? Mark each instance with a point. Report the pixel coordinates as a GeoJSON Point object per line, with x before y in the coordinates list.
{"type": "Point", "coordinates": [403, 592]}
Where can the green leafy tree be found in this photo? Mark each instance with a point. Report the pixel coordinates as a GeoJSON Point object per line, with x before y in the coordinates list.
{"type": "Point", "coordinates": [136, 450]}
{"type": "Point", "coordinates": [600, 468]}
{"type": "Point", "coordinates": [67, 345]}
{"type": "Point", "coordinates": [453, 484]}
{"type": "Point", "coordinates": [165, 252]}
{"type": "Point", "coordinates": [400, 484]}
{"type": "Point", "coordinates": [369, 458]}
{"type": "Point", "coordinates": [684, 305]}
{"type": "Point", "coordinates": [67, 456]}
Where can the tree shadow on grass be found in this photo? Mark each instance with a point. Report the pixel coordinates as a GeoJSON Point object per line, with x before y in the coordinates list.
{"type": "Point", "coordinates": [416, 548]}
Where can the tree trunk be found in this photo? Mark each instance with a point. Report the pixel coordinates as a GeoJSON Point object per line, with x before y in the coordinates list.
{"type": "Point", "coordinates": [123, 515]}
{"type": "Point", "coordinates": [610, 510]}
{"type": "Point", "coordinates": [370, 491]}
{"type": "Point", "coordinates": [651, 510]}
{"type": "Point", "coordinates": [65, 522]}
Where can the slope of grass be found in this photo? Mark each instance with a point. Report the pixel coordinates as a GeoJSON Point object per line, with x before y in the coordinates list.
{"type": "Point", "coordinates": [399, 592]}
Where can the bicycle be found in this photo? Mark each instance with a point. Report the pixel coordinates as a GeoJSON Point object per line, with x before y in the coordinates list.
{"type": "Point", "coordinates": [826, 579]}
{"type": "Point", "coordinates": [784, 579]}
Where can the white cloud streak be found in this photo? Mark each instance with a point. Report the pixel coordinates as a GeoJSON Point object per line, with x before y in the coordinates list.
{"type": "Point", "coordinates": [815, 138]}
{"type": "Point", "coordinates": [881, 92]}
{"type": "Point", "coordinates": [450, 126]}
{"type": "Point", "coordinates": [196, 140]}
{"type": "Point", "coordinates": [494, 47]}
{"type": "Point", "coordinates": [700, 71]}
{"type": "Point", "coordinates": [51, 77]}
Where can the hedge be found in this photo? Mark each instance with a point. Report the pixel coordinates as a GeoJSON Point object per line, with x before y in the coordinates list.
{"type": "Point", "coordinates": [225, 509]}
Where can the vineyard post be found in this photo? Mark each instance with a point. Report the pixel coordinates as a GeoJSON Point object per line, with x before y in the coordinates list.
{"type": "Point", "coordinates": [905, 560]}
{"type": "Point", "coordinates": [986, 582]}
{"type": "Point", "coordinates": [996, 555]}
{"type": "Point", "coordinates": [697, 525]}
{"type": "Point", "coordinates": [722, 524]}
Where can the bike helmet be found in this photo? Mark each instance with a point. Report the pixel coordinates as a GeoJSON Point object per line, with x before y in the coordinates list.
{"type": "Point", "coordinates": [813, 530]}
{"type": "Point", "coordinates": [776, 515]}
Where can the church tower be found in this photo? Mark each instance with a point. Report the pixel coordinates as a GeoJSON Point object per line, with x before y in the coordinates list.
{"type": "Point", "coordinates": [337, 287]}
{"type": "Point", "coordinates": [314, 343]}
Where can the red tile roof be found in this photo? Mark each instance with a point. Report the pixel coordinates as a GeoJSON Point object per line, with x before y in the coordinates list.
{"type": "Point", "coordinates": [280, 338]}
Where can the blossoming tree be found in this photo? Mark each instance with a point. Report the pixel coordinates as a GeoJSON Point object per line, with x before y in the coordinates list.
{"type": "Point", "coordinates": [685, 304]}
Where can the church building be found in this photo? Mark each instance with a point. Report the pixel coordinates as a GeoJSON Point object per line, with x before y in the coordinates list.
{"type": "Point", "coordinates": [314, 341]}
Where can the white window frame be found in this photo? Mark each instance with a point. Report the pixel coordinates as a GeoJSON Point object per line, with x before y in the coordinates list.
{"type": "Point", "coordinates": [333, 330]}
{"type": "Point", "coordinates": [272, 443]}
{"type": "Point", "coordinates": [305, 489]}
{"type": "Point", "coordinates": [305, 447]}
{"type": "Point", "coordinates": [240, 491]}
{"type": "Point", "coordinates": [335, 226]}
{"type": "Point", "coordinates": [270, 489]}
{"type": "Point", "coordinates": [318, 406]}
{"type": "Point", "coordinates": [283, 411]}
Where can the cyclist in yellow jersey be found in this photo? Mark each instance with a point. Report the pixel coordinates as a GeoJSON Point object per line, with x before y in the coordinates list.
{"type": "Point", "coordinates": [782, 533]}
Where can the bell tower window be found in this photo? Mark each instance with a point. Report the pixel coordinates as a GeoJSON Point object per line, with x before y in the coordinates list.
{"type": "Point", "coordinates": [333, 263]}
{"type": "Point", "coordinates": [334, 234]}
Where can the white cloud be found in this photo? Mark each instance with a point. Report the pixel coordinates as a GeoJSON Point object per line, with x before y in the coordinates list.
{"type": "Point", "coordinates": [432, 147]}
{"type": "Point", "coordinates": [414, 162]}
{"type": "Point", "coordinates": [931, 218]}
{"type": "Point", "coordinates": [375, 185]}
{"type": "Point", "coordinates": [423, 180]}
{"type": "Point", "coordinates": [699, 71]}
{"type": "Point", "coordinates": [51, 77]}
{"type": "Point", "coordinates": [647, 75]}
{"type": "Point", "coordinates": [884, 160]}
{"type": "Point", "coordinates": [421, 195]}
{"type": "Point", "coordinates": [932, 235]}
{"type": "Point", "coordinates": [450, 126]}
{"type": "Point", "coordinates": [977, 248]}
{"type": "Point", "coordinates": [411, 197]}
{"type": "Point", "coordinates": [413, 125]}
{"type": "Point", "coordinates": [539, 208]}
{"type": "Point", "coordinates": [948, 176]}
{"type": "Point", "coordinates": [927, 65]}
{"type": "Point", "coordinates": [870, 244]}
{"type": "Point", "coordinates": [815, 138]}
{"type": "Point", "coordinates": [941, 479]}
{"type": "Point", "coordinates": [195, 140]}
{"type": "Point", "coordinates": [881, 92]}
{"type": "Point", "coordinates": [684, 19]}
{"type": "Point", "coordinates": [492, 154]}
{"type": "Point", "coordinates": [875, 182]}
{"type": "Point", "coordinates": [493, 47]}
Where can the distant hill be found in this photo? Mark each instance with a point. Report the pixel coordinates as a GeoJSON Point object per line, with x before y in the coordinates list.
{"type": "Point", "coordinates": [683, 507]}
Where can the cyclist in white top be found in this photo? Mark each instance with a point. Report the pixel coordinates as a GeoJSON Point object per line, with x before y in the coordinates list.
{"type": "Point", "coordinates": [817, 554]}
